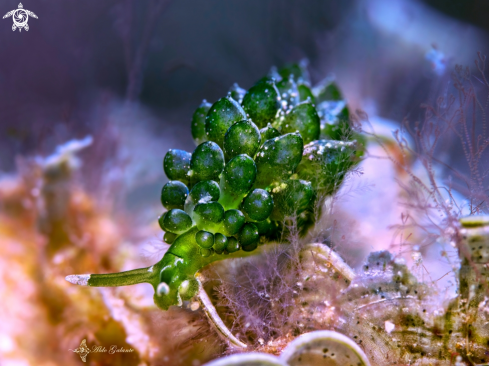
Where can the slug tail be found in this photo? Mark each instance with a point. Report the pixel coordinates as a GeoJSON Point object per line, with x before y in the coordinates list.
{"type": "Point", "coordinates": [140, 275]}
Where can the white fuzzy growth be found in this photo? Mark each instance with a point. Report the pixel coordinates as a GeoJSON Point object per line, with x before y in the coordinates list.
{"type": "Point", "coordinates": [389, 326]}
{"type": "Point", "coordinates": [66, 153]}
{"type": "Point", "coordinates": [81, 279]}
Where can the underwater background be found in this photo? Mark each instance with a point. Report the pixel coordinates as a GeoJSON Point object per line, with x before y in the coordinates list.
{"type": "Point", "coordinates": [121, 80]}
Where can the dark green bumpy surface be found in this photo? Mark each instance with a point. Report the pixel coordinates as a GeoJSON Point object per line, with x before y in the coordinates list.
{"type": "Point", "coordinates": [222, 115]}
{"type": "Point", "coordinates": [242, 138]}
{"type": "Point", "coordinates": [264, 158]}
{"type": "Point", "coordinates": [261, 102]}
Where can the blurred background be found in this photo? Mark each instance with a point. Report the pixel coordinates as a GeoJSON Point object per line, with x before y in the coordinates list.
{"type": "Point", "coordinates": [142, 67]}
{"type": "Point", "coordinates": [130, 73]}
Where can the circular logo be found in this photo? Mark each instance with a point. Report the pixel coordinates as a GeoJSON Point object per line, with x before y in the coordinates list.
{"type": "Point", "coordinates": [20, 18]}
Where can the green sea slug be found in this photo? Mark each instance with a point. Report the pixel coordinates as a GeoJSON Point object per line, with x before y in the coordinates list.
{"type": "Point", "coordinates": [263, 157]}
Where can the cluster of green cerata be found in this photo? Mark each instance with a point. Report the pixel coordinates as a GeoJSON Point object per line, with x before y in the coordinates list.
{"type": "Point", "coordinates": [262, 156]}
{"type": "Point", "coordinates": [265, 158]}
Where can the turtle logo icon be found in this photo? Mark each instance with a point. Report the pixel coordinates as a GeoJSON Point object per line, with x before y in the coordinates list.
{"type": "Point", "coordinates": [20, 17]}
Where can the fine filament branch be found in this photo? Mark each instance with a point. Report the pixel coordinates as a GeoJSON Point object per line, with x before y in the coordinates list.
{"type": "Point", "coordinates": [214, 317]}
